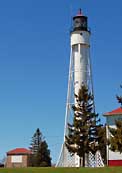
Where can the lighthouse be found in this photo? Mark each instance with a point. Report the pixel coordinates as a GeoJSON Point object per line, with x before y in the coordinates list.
{"type": "Point", "coordinates": [79, 74]}
{"type": "Point", "coordinates": [80, 51]}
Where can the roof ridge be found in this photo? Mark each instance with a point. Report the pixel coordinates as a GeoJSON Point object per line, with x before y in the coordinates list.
{"type": "Point", "coordinates": [19, 151]}
{"type": "Point", "coordinates": [117, 111]}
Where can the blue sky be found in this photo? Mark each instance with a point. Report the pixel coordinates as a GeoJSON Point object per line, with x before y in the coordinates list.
{"type": "Point", "coordinates": [34, 64]}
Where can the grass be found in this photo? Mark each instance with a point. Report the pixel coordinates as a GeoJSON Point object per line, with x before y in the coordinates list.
{"type": "Point", "coordinates": [62, 170]}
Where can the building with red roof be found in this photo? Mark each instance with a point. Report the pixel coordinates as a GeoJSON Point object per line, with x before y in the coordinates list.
{"type": "Point", "coordinates": [115, 112]}
{"type": "Point", "coordinates": [113, 158]}
{"type": "Point", "coordinates": [18, 157]}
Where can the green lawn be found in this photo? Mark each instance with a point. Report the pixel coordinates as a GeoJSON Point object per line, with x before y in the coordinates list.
{"type": "Point", "coordinates": [63, 170]}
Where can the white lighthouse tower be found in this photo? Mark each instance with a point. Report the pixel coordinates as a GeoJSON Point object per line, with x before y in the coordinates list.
{"type": "Point", "coordinates": [80, 54]}
{"type": "Point", "coordinates": [79, 73]}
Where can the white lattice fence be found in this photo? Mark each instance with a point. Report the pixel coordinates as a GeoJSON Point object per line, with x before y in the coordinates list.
{"type": "Point", "coordinates": [67, 160]}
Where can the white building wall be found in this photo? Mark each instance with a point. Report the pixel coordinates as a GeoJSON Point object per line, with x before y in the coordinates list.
{"type": "Point", "coordinates": [115, 155]}
{"type": "Point", "coordinates": [111, 123]}
{"type": "Point", "coordinates": [16, 159]}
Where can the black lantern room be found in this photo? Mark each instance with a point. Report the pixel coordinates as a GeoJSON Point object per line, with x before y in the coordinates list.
{"type": "Point", "coordinates": [80, 22]}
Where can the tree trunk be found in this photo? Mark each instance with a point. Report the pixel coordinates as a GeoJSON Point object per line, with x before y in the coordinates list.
{"type": "Point", "coordinates": [80, 162]}
{"type": "Point", "coordinates": [83, 164]}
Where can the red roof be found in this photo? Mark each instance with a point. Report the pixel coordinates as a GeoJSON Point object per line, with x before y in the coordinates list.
{"type": "Point", "coordinates": [19, 151]}
{"type": "Point", "coordinates": [117, 111]}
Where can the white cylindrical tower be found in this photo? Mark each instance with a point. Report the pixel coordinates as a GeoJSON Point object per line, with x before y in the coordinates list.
{"type": "Point", "coordinates": [79, 73]}
{"type": "Point", "coordinates": [80, 56]}
{"type": "Point", "coordinates": [80, 51]}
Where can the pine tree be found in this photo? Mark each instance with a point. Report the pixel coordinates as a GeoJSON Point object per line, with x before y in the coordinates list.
{"type": "Point", "coordinates": [82, 136]}
{"type": "Point", "coordinates": [36, 141]}
{"type": "Point", "coordinates": [43, 155]}
{"type": "Point", "coordinates": [40, 152]}
{"type": "Point", "coordinates": [115, 140]}
{"type": "Point", "coordinates": [119, 98]}
{"type": "Point", "coordinates": [102, 141]}
{"type": "Point", "coordinates": [116, 137]}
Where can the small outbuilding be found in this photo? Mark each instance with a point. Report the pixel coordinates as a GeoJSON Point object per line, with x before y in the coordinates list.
{"type": "Point", "coordinates": [17, 158]}
{"type": "Point", "coordinates": [113, 158]}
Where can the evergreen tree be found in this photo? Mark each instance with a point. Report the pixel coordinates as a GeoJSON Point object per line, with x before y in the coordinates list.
{"type": "Point", "coordinates": [82, 136]}
{"type": "Point", "coordinates": [43, 155]}
{"type": "Point", "coordinates": [115, 140]}
{"type": "Point", "coordinates": [102, 141]}
{"type": "Point", "coordinates": [36, 141]}
{"type": "Point", "coordinates": [119, 98]}
{"type": "Point", "coordinates": [40, 152]}
{"type": "Point", "coordinates": [116, 137]}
